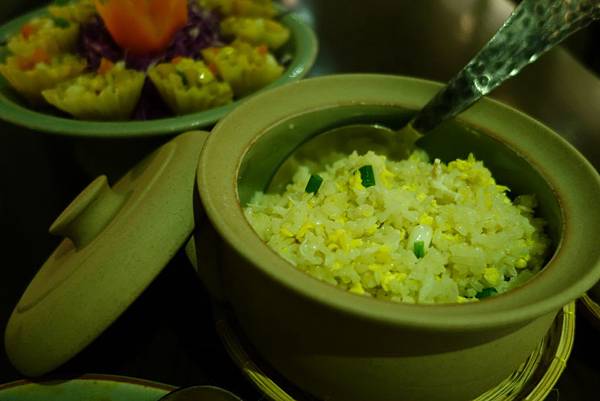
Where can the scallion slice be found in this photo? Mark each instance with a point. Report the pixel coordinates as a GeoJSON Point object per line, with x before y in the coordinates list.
{"type": "Point", "coordinates": [314, 183]}
{"type": "Point", "coordinates": [60, 22]}
{"type": "Point", "coordinates": [486, 292]}
{"type": "Point", "coordinates": [184, 79]}
{"type": "Point", "coordinates": [367, 176]}
{"type": "Point", "coordinates": [419, 249]}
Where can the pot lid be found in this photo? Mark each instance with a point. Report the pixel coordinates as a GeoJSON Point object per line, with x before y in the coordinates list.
{"type": "Point", "coordinates": [116, 242]}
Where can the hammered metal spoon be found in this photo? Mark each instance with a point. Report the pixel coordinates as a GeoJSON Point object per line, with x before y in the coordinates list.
{"type": "Point", "coordinates": [533, 28]}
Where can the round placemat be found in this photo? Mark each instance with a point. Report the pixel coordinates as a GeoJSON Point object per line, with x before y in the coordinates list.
{"type": "Point", "coordinates": [532, 381]}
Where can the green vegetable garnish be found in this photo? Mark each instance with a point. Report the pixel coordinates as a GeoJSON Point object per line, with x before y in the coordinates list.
{"type": "Point", "coordinates": [367, 176]}
{"type": "Point", "coordinates": [184, 79]}
{"type": "Point", "coordinates": [60, 22]}
{"type": "Point", "coordinates": [4, 53]}
{"type": "Point", "coordinates": [419, 248]}
{"type": "Point", "coordinates": [486, 292]}
{"type": "Point", "coordinates": [314, 183]}
{"type": "Point", "coordinates": [61, 2]}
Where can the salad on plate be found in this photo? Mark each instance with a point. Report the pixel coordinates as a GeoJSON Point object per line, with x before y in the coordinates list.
{"type": "Point", "coordinates": [143, 59]}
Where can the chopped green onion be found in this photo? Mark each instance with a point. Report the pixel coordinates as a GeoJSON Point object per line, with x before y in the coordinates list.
{"type": "Point", "coordinates": [419, 249]}
{"type": "Point", "coordinates": [486, 292]}
{"type": "Point", "coordinates": [60, 22]}
{"type": "Point", "coordinates": [184, 79]}
{"type": "Point", "coordinates": [314, 183]}
{"type": "Point", "coordinates": [4, 53]}
{"type": "Point", "coordinates": [367, 176]}
{"type": "Point", "coordinates": [61, 2]}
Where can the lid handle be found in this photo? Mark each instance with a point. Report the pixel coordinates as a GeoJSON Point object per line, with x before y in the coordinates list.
{"type": "Point", "coordinates": [88, 213]}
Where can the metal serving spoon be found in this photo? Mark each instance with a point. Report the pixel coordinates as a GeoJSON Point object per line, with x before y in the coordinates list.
{"type": "Point", "coordinates": [534, 27]}
{"type": "Point", "coordinates": [200, 393]}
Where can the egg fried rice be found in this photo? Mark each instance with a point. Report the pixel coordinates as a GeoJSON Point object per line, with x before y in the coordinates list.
{"type": "Point", "coordinates": [409, 231]}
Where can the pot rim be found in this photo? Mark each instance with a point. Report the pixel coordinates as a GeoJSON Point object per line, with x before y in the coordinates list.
{"type": "Point", "coordinates": [235, 135]}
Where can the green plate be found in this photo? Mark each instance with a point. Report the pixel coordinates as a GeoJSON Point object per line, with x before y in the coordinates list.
{"type": "Point", "coordinates": [87, 387]}
{"type": "Point", "coordinates": [302, 45]}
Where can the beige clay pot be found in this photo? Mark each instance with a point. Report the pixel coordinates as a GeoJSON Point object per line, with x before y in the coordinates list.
{"type": "Point", "coordinates": [340, 346]}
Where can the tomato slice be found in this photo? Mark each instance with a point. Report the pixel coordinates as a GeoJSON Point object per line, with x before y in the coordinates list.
{"type": "Point", "coordinates": [143, 26]}
{"type": "Point", "coordinates": [39, 55]}
{"type": "Point", "coordinates": [105, 66]}
{"type": "Point", "coordinates": [27, 30]}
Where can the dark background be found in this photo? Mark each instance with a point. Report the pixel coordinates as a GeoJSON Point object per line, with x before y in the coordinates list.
{"type": "Point", "coordinates": [168, 334]}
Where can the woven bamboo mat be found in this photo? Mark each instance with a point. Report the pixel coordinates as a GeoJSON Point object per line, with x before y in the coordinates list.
{"type": "Point", "coordinates": [532, 381]}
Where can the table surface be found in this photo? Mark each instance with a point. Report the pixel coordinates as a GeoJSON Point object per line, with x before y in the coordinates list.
{"type": "Point", "coordinates": [168, 334]}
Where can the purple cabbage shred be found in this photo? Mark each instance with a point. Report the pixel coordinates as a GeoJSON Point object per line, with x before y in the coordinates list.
{"type": "Point", "coordinates": [95, 42]}
{"type": "Point", "coordinates": [201, 31]}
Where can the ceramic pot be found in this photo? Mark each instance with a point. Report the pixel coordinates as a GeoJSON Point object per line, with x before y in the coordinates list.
{"type": "Point", "coordinates": [340, 346]}
{"type": "Point", "coordinates": [333, 344]}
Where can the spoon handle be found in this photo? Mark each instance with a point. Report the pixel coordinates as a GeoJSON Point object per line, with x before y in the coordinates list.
{"type": "Point", "coordinates": [534, 27]}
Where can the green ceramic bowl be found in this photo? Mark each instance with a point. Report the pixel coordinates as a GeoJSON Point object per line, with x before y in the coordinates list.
{"type": "Point", "coordinates": [302, 45]}
{"type": "Point", "coordinates": [87, 387]}
{"type": "Point", "coordinates": [340, 346]}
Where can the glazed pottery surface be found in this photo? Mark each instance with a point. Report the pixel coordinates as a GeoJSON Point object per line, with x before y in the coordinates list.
{"type": "Point", "coordinates": [340, 346]}
{"type": "Point", "coordinates": [116, 240]}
